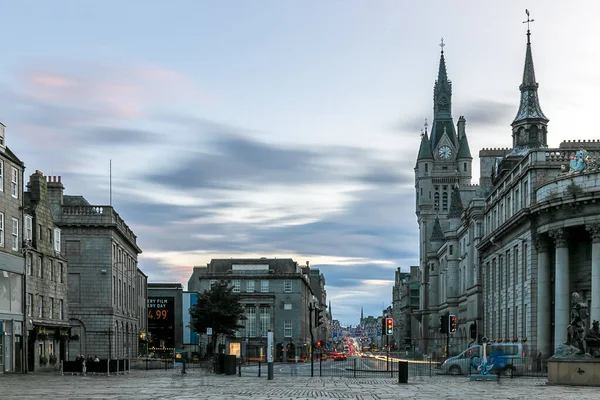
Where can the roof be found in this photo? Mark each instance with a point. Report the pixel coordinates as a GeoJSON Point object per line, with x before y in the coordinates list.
{"type": "Point", "coordinates": [437, 235]}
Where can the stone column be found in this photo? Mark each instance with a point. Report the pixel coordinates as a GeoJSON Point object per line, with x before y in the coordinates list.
{"type": "Point", "coordinates": [595, 296]}
{"type": "Point", "coordinates": [543, 296]}
{"type": "Point", "coordinates": [562, 300]}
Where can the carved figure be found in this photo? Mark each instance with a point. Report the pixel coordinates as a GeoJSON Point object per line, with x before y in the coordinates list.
{"type": "Point", "coordinates": [578, 160]}
{"type": "Point", "coordinates": [592, 340]}
{"type": "Point", "coordinates": [576, 329]}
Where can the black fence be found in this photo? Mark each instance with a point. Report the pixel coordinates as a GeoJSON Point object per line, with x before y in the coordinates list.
{"type": "Point", "coordinates": [95, 367]}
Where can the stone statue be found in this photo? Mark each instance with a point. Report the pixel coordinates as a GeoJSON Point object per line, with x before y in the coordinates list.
{"type": "Point", "coordinates": [592, 340]}
{"type": "Point", "coordinates": [576, 329]}
{"type": "Point", "coordinates": [578, 161]}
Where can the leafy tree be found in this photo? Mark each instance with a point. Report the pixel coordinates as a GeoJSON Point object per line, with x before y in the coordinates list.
{"type": "Point", "coordinates": [218, 308]}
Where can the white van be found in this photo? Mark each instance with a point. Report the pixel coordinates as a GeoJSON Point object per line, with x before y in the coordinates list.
{"type": "Point", "coordinates": [504, 358]}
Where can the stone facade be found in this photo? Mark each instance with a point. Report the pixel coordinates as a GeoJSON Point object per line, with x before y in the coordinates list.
{"type": "Point", "coordinates": [276, 294]}
{"type": "Point", "coordinates": [405, 300]}
{"type": "Point", "coordinates": [12, 263]}
{"type": "Point", "coordinates": [107, 292]}
{"type": "Point", "coordinates": [47, 272]}
{"type": "Point", "coordinates": [508, 261]}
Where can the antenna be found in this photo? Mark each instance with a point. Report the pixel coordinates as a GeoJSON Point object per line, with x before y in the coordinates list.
{"type": "Point", "coordinates": [110, 182]}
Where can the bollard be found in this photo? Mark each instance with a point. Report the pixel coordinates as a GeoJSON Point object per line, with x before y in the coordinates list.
{"type": "Point", "coordinates": [259, 368]}
{"type": "Point", "coordinates": [165, 365]}
{"type": "Point", "coordinates": [240, 369]}
{"type": "Point", "coordinates": [321, 365]}
{"type": "Point", "coordinates": [270, 371]}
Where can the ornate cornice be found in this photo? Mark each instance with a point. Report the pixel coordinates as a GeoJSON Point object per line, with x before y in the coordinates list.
{"type": "Point", "coordinates": [594, 230]}
{"type": "Point", "coordinates": [560, 236]}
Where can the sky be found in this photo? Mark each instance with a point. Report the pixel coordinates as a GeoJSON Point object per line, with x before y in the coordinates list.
{"type": "Point", "coordinates": [277, 128]}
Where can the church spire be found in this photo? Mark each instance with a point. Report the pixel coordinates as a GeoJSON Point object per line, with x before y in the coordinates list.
{"type": "Point", "coordinates": [442, 105]}
{"type": "Point", "coordinates": [530, 124]}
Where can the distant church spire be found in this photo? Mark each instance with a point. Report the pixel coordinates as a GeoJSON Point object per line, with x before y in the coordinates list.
{"type": "Point", "coordinates": [530, 124]}
{"type": "Point", "coordinates": [362, 316]}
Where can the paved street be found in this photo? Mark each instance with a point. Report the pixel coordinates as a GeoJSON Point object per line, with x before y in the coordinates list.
{"type": "Point", "coordinates": [160, 384]}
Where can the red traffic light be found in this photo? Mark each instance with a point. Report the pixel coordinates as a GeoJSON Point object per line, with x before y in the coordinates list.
{"type": "Point", "coordinates": [389, 326]}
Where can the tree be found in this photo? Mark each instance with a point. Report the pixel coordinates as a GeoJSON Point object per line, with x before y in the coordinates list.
{"type": "Point", "coordinates": [218, 308]}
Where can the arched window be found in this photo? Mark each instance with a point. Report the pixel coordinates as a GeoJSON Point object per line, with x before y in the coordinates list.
{"type": "Point", "coordinates": [445, 201]}
{"type": "Point", "coordinates": [436, 201]}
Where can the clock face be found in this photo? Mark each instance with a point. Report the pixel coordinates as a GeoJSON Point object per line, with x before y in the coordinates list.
{"type": "Point", "coordinates": [445, 152]}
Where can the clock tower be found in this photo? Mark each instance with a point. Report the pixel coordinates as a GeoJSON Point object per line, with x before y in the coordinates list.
{"type": "Point", "coordinates": [443, 165]}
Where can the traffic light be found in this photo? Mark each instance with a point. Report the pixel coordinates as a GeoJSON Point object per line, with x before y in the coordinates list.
{"type": "Point", "coordinates": [318, 321]}
{"type": "Point", "coordinates": [453, 323]}
{"type": "Point", "coordinates": [389, 326]}
{"type": "Point", "coordinates": [444, 323]}
{"type": "Point", "coordinates": [473, 331]}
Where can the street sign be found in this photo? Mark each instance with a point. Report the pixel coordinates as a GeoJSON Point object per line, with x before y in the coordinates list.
{"type": "Point", "coordinates": [209, 331]}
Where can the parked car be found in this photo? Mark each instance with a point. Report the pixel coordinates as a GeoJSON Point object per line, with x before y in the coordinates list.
{"type": "Point", "coordinates": [504, 358]}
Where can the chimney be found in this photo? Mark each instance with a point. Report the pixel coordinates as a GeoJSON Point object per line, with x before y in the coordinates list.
{"type": "Point", "coordinates": [55, 196]}
{"type": "Point", "coordinates": [461, 127]}
{"type": "Point", "coordinates": [37, 186]}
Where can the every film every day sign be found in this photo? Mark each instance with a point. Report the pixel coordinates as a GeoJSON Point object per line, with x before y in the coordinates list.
{"type": "Point", "coordinates": [161, 321]}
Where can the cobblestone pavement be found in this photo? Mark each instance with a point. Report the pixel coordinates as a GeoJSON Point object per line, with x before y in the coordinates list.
{"type": "Point", "coordinates": [196, 385]}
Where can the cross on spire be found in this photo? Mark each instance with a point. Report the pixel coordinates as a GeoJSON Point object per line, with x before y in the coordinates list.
{"type": "Point", "coordinates": [526, 22]}
{"type": "Point", "coordinates": [442, 45]}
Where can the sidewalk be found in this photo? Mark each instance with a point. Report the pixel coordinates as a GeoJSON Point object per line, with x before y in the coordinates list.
{"type": "Point", "coordinates": [196, 385]}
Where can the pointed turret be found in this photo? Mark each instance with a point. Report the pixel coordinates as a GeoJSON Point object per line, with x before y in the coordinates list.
{"type": "Point", "coordinates": [530, 124]}
{"type": "Point", "coordinates": [456, 206]}
{"type": "Point", "coordinates": [425, 148]}
{"type": "Point", "coordinates": [437, 235]}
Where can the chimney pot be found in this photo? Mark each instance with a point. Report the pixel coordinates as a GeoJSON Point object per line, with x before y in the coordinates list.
{"type": "Point", "coordinates": [59, 178]}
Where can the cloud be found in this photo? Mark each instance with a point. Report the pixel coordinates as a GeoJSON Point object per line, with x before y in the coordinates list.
{"type": "Point", "coordinates": [489, 112]}
{"type": "Point", "coordinates": [193, 189]}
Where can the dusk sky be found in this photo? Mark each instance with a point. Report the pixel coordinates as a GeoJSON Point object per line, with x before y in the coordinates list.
{"type": "Point", "coordinates": [277, 128]}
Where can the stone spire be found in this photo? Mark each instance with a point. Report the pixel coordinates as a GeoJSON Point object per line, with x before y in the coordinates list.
{"type": "Point", "coordinates": [437, 235]}
{"type": "Point", "coordinates": [530, 124]}
{"type": "Point", "coordinates": [442, 105]}
{"type": "Point", "coordinates": [425, 148]}
{"type": "Point", "coordinates": [362, 316]}
{"type": "Point", "coordinates": [456, 206]}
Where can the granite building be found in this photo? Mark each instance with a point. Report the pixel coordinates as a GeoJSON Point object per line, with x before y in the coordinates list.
{"type": "Point", "coordinates": [107, 292]}
{"type": "Point", "coordinates": [46, 270]}
{"type": "Point", "coordinates": [276, 294]}
{"type": "Point", "coordinates": [12, 263]}
{"type": "Point", "coordinates": [508, 258]}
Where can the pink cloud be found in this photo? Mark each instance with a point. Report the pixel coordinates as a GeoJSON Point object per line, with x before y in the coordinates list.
{"type": "Point", "coordinates": [117, 92]}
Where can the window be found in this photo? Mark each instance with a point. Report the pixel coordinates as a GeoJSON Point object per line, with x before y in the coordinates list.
{"type": "Point", "coordinates": [287, 329]}
{"type": "Point", "coordinates": [264, 286]}
{"type": "Point", "coordinates": [57, 240]}
{"type": "Point", "coordinates": [60, 273]}
{"type": "Point", "coordinates": [29, 304]}
{"type": "Point", "coordinates": [51, 309]}
{"type": "Point", "coordinates": [445, 201]}
{"type": "Point", "coordinates": [49, 234]}
{"type": "Point", "coordinates": [465, 167]}
{"type": "Point", "coordinates": [236, 286]}
{"type": "Point", "coordinates": [40, 306]}
{"type": "Point", "coordinates": [426, 167]}
{"type": "Point", "coordinates": [250, 286]}
{"type": "Point", "coordinates": [1, 176]}
{"type": "Point", "coordinates": [250, 321]}
{"type": "Point", "coordinates": [2, 143]}
{"type": "Point", "coordinates": [265, 321]}
{"type": "Point", "coordinates": [15, 234]}
{"type": "Point", "coordinates": [51, 270]}
{"type": "Point", "coordinates": [29, 264]}
{"type": "Point", "coordinates": [287, 306]}
{"type": "Point", "coordinates": [114, 290]}
{"type": "Point", "coordinates": [40, 267]}
{"type": "Point", "coordinates": [14, 183]}
{"type": "Point", "coordinates": [60, 309]}
{"type": "Point", "coordinates": [28, 228]}
{"type": "Point", "coordinates": [287, 286]}
{"type": "Point", "coordinates": [436, 201]}
{"type": "Point", "coordinates": [1, 229]}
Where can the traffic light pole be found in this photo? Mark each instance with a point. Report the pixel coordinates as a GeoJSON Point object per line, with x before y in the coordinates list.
{"type": "Point", "coordinates": [312, 340]}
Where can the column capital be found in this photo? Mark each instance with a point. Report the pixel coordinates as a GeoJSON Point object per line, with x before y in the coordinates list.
{"type": "Point", "coordinates": [541, 242]}
{"type": "Point", "coordinates": [594, 230]}
{"type": "Point", "coordinates": [560, 236]}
